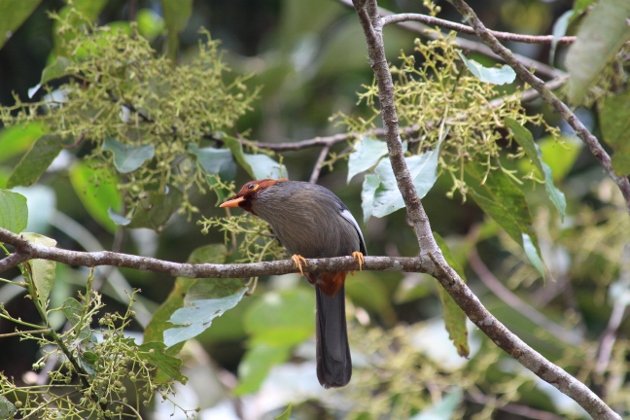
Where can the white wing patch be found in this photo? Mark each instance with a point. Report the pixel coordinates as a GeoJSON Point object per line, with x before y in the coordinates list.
{"type": "Point", "coordinates": [345, 213]}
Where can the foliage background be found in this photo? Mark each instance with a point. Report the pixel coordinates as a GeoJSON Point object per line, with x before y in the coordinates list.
{"type": "Point", "coordinates": [309, 60]}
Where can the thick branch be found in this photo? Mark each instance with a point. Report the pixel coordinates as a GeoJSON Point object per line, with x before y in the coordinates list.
{"type": "Point", "coordinates": [25, 250]}
{"type": "Point", "coordinates": [446, 275]}
{"type": "Point", "coordinates": [565, 112]}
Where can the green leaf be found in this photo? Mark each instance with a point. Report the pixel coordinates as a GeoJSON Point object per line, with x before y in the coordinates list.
{"type": "Point", "coordinates": [17, 139]}
{"type": "Point", "coordinates": [7, 409]}
{"type": "Point", "coordinates": [42, 271]}
{"type": "Point", "coordinates": [560, 154]}
{"type": "Point", "coordinates": [237, 151]}
{"type": "Point", "coordinates": [614, 118]}
{"type": "Point", "coordinates": [52, 71]}
{"type": "Point", "coordinates": [454, 317]}
{"type": "Point", "coordinates": [256, 364]}
{"type": "Point", "coordinates": [150, 24]}
{"type": "Point", "coordinates": [128, 158]}
{"type": "Point", "coordinates": [213, 253]}
{"type": "Point", "coordinates": [97, 190]}
{"type": "Point", "coordinates": [559, 30]}
{"type": "Point", "coordinates": [443, 409]}
{"type": "Point", "coordinates": [370, 292]}
{"type": "Point", "coordinates": [525, 139]}
{"type": "Point", "coordinates": [155, 209]}
{"type": "Point", "coordinates": [367, 152]}
{"type": "Point", "coordinates": [283, 318]}
{"type": "Point", "coordinates": [35, 162]}
{"type": "Point", "coordinates": [601, 35]}
{"type": "Point", "coordinates": [265, 167]}
{"type": "Point", "coordinates": [380, 195]}
{"type": "Point", "coordinates": [12, 15]}
{"type": "Point", "coordinates": [176, 14]}
{"type": "Point", "coordinates": [157, 355]}
{"type": "Point", "coordinates": [286, 414]}
{"type": "Point", "coordinates": [494, 75]}
{"type": "Point", "coordinates": [13, 211]}
{"type": "Point", "coordinates": [214, 161]}
{"type": "Point", "coordinates": [501, 198]}
{"type": "Point", "coordinates": [198, 314]}
{"type": "Point", "coordinates": [531, 250]}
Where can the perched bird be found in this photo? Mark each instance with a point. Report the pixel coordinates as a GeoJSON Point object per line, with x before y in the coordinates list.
{"type": "Point", "coordinates": [310, 221]}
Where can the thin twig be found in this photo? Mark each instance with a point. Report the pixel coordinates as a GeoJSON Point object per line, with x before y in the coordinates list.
{"type": "Point", "coordinates": [565, 112]}
{"type": "Point", "coordinates": [447, 24]}
{"type": "Point", "coordinates": [323, 154]}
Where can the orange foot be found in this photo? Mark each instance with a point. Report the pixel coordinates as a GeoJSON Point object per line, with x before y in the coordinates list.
{"type": "Point", "coordinates": [299, 261]}
{"type": "Point", "coordinates": [359, 258]}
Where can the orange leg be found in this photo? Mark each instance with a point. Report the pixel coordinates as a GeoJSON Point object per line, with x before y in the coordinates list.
{"type": "Point", "coordinates": [299, 261]}
{"type": "Point", "coordinates": [359, 258]}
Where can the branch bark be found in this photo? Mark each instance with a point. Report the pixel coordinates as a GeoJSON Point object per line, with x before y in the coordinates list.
{"type": "Point", "coordinates": [592, 142]}
{"type": "Point", "coordinates": [372, 25]}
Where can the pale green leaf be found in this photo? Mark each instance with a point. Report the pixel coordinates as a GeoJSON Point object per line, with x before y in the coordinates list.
{"type": "Point", "coordinates": [214, 161]}
{"type": "Point", "coordinates": [7, 409]}
{"type": "Point", "coordinates": [265, 167]}
{"type": "Point", "coordinates": [150, 24]}
{"type": "Point", "coordinates": [367, 152]}
{"type": "Point", "coordinates": [532, 253]}
{"type": "Point", "coordinates": [600, 36]}
{"type": "Point", "coordinates": [13, 211]}
{"type": "Point", "coordinates": [12, 14]}
{"type": "Point", "coordinates": [256, 364]}
{"type": "Point", "coordinates": [494, 75]}
{"type": "Point", "coordinates": [128, 158]}
{"type": "Point", "coordinates": [42, 271]}
{"type": "Point", "coordinates": [18, 138]}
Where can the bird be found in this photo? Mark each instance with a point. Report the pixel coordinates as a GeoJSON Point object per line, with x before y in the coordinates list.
{"type": "Point", "coordinates": [310, 221]}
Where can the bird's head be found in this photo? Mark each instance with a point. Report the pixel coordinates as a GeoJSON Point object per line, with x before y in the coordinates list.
{"type": "Point", "coordinates": [249, 192]}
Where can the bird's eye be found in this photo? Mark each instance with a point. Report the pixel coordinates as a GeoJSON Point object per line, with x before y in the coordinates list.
{"type": "Point", "coordinates": [251, 186]}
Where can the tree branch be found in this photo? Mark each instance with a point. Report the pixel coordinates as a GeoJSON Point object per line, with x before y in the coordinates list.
{"type": "Point", "coordinates": [565, 112]}
{"type": "Point", "coordinates": [468, 44]}
{"type": "Point", "coordinates": [25, 250]}
{"type": "Point", "coordinates": [445, 274]}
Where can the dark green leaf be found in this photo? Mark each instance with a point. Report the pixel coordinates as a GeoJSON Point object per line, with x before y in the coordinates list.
{"type": "Point", "coordinates": [35, 162]}
{"type": "Point", "coordinates": [215, 161]}
{"type": "Point", "coordinates": [367, 152]}
{"type": "Point", "coordinates": [525, 139]}
{"type": "Point", "coordinates": [12, 15]}
{"type": "Point", "coordinates": [595, 47]}
{"type": "Point", "coordinates": [97, 190]}
{"type": "Point", "coordinates": [7, 409]}
{"type": "Point", "coordinates": [454, 317]}
{"type": "Point", "coordinates": [128, 158]}
{"type": "Point", "coordinates": [13, 211]}
{"type": "Point", "coordinates": [494, 75]}
{"type": "Point", "coordinates": [501, 198]}
{"type": "Point", "coordinates": [42, 271]}
{"type": "Point", "coordinates": [17, 139]}
{"type": "Point", "coordinates": [157, 355]}
{"type": "Point", "coordinates": [155, 209]}
{"type": "Point", "coordinates": [614, 118]}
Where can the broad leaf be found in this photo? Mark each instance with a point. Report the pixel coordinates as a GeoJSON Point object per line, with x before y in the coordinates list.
{"type": "Point", "coordinates": [367, 152]}
{"type": "Point", "coordinates": [128, 158]}
{"type": "Point", "coordinates": [155, 209]}
{"type": "Point", "coordinates": [265, 167]}
{"type": "Point", "coordinates": [454, 317]}
{"type": "Point", "coordinates": [501, 198]}
{"type": "Point", "coordinates": [42, 271]}
{"type": "Point", "coordinates": [380, 195]}
{"type": "Point", "coordinates": [236, 148]}
{"type": "Point", "coordinates": [256, 364]}
{"type": "Point", "coordinates": [97, 190]}
{"type": "Point", "coordinates": [559, 30]}
{"type": "Point", "coordinates": [614, 118]}
{"type": "Point", "coordinates": [13, 211]}
{"type": "Point", "coordinates": [7, 409]}
{"type": "Point", "coordinates": [34, 163]}
{"type": "Point", "coordinates": [52, 71]}
{"type": "Point", "coordinates": [494, 75]}
{"type": "Point", "coordinates": [525, 139]}
{"type": "Point", "coordinates": [214, 161]}
{"type": "Point", "coordinates": [157, 355]}
{"type": "Point", "coordinates": [17, 139]}
{"type": "Point", "coordinates": [12, 15]}
{"type": "Point", "coordinates": [601, 35]}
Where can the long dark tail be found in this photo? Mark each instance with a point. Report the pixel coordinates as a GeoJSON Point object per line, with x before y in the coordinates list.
{"type": "Point", "coordinates": [334, 366]}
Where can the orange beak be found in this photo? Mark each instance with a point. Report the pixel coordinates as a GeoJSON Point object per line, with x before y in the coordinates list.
{"type": "Point", "coordinates": [232, 202]}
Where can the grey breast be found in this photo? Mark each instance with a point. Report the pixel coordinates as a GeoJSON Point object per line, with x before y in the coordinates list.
{"type": "Point", "coordinates": [307, 219]}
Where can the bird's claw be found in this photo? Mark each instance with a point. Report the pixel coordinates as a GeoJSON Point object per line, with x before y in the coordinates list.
{"type": "Point", "coordinates": [299, 261]}
{"type": "Point", "coordinates": [359, 258]}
